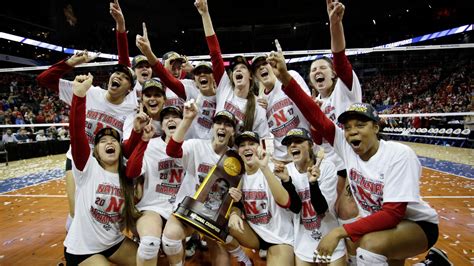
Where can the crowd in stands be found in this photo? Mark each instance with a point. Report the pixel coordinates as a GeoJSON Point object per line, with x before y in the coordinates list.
{"type": "Point", "coordinates": [434, 88]}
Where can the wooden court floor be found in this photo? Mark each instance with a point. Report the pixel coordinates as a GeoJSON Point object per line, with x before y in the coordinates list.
{"type": "Point", "coordinates": [33, 218]}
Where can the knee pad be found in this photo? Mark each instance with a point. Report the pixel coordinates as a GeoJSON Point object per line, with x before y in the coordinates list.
{"type": "Point", "coordinates": [149, 247]}
{"type": "Point", "coordinates": [171, 247]}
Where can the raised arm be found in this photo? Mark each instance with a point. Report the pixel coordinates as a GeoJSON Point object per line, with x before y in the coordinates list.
{"type": "Point", "coordinates": [342, 66]}
{"type": "Point", "coordinates": [140, 121]}
{"type": "Point", "coordinates": [280, 194]}
{"type": "Point", "coordinates": [211, 39]}
{"type": "Point", "coordinates": [143, 43]}
{"type": "Point", "coordinates": [79, 144]}
{"type": "Point", "coordinates": [134, 164]}
{"type": "Point", "coordinates": [307, 106]}
{"type": "Point", "coordinates": [120, 33]}
{"type": "Point", "coordinates": [50, 77]}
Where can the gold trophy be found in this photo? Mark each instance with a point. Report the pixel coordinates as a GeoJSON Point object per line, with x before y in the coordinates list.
{"type": "Point", "coordinates": [209, 209]}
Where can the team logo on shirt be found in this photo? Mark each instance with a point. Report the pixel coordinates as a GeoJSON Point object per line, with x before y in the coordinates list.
{"type": "Point", "coordinates": [107, 206]}
{"type": "Point", "coordinates": [368, 193]}
{"type": "Point", "coordinates": [256, 206]}
{"type": "Point", "coordinates": [309, 218]}
{"type": "Point", "coordinates": [171, 176]}
{"type": "Point", "coordinates": [174, 102]}
{"type": "Point", "coordinates": [207, 113]}
{"type": "Point", "coordinates": [282, 118]}
{"type": "Point", "coordinates": [96, 120]}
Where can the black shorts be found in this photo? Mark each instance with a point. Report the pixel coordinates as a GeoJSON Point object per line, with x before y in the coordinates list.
{"type": "Point", "coordinates": [342, 173]}
{"type": "Point", "coordinates": [68, 164]}
{"type": "Point", "coordinates": [431, 231]}
{"type": "Point", "coordinates": [74, 260]}
{"type": "Point", "coordinates": [264, 244]}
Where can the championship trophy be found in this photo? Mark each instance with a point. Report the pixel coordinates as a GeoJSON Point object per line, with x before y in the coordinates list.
{"type": "Point", "coordinates": [209, 209]}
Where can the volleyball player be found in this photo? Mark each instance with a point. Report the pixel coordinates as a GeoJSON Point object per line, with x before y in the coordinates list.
{"type": "Point", "coordinates": [163, 178]}
{"type": "Point", "coordinates": [104, 196]}
{"type": "Point", "coordinates": [384, 179]}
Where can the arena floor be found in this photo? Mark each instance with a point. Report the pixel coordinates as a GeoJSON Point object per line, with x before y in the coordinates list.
{"type": "Point", "coordinates": [33, 207]}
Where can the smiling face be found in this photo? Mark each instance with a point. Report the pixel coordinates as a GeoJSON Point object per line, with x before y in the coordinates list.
{"type": "Point", "coordinates": [107, 150]}
{"type": "Point", "coordinates": [241, 76]}
{"type": "Point", "coordinates": [223, 131]}
{"type": "Point", "coordinates": [174, 66]}
{"type": "Point", "coordinates": [321, 76]}
{"type": "Point", "coordinates": [171, 121]}
{"type": "Point", "coordinates": [362, 137]}
{"type": "Point", "coordinates": [205, 82]}
{"type": "Point", "coordinates": [143, 72]}
{"type": "Point", "coordinates": [153, 100]}
{"type": "Point", "coordinates": [247, 149]}
{"type": "Point", "coordinates": [119, 84]}
{"type": "Point", "coordinates": [264, 73]}
{"type": "Point", "coordinates": [299, 150]}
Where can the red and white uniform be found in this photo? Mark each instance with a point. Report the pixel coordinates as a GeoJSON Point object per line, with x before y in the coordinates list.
{"type": "Point", "coordinates": [198, 157]}
{"type": "Point", "coordinates": [391, 175]}
{"type": "Point", "coordinates": [180, 90]}
{"type": "Point", "coordinates": [386, 187]}
{"type": "Point", "coordinates": [309, 227]}
{"type": "Point", "coordinates": [225, 97]}
{"type": "Point", "coordinates": [163, 178]}
{"type": "Point", "coordinates": [283, 115]}
{"type": "Point", "coordinates": [339, 100]}
{"type": "Point", "coordinates": [99, 199]}
{"type": "Point", "coordinates": [227, 100]}
{"type": "Point", "coordinates": [270, 221]}
{"type": "Point", "coordinates": [100, 112]}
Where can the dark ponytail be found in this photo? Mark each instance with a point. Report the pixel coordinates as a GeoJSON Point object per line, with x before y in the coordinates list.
{"type": "Point", "coordinates": [250, 110]}
{"type": "Point", "coordinates": [130, 214]}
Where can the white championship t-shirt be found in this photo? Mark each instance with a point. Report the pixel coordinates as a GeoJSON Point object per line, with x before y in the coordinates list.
{"type": "Point", "coordinates": [227, 100]}
{"type": "Point", "coordinates": [100, 112]}
{"type": "Point", "coordinates": [336, 104]}
{"type": "Point", "coordinates": [98, 206]}
{"type": "Point", "coordinates": [198, 159]}
{"type": "Point", "coordinates": [271, 222]}
{"type": "Point", "coordinates": [283, 115]}
{"type": "Point", "coordinates": [309, 227]}
{"type": "Point", "coordinates": [163, 178]}
{"type": "Point", "coordinates": [390, 175]}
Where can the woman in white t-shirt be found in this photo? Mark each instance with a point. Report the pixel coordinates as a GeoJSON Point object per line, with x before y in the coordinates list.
{"type": "Point", "coordinates": [202, 89]}
{"type": "Point", "coordinates": [236, 91]}
{"type": "Point", "coordinates": [104, 196]}
{"type": "Point", "coordinates": [315, 181]}
{"type": "Point", "coordinates": [114, 107]}
{"type": "Point", "coordinates": [282, 113]}
{"type": "Point", "coordinates": [267, 204]}
{"type": "Point", "coordinates": [163, 178]}
{"type": "Point", "coordinates": [198, 157]}
{"type": "Point", "coordinates": [384, 179]}
{"type": "Point", "coordinates": [338, 87]}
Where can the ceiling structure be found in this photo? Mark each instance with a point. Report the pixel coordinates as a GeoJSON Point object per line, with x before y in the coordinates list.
{"type": "Point", "coordinates": [241, 26]}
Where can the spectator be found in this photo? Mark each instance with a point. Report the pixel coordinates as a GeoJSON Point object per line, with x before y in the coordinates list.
{"type": "Point", "coordinates": [40, 136]}
{"type": "Point", "coordinates": [9, 137]}
{"type": "Point", "coordinates": [22, 136]}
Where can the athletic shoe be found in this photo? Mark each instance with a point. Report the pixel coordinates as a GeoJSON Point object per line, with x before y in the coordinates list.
{"type": "Point", "coordinates": [436, 257]}
{"type": "Point", "coordinates": [190, 249]}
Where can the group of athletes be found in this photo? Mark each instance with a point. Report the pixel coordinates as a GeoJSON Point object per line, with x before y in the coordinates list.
{"type": "Point", "coordinates": [330, 192]}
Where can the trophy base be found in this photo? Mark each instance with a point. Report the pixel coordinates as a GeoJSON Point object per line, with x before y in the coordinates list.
{"type": "Point", "coordinates": [194, 213]}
